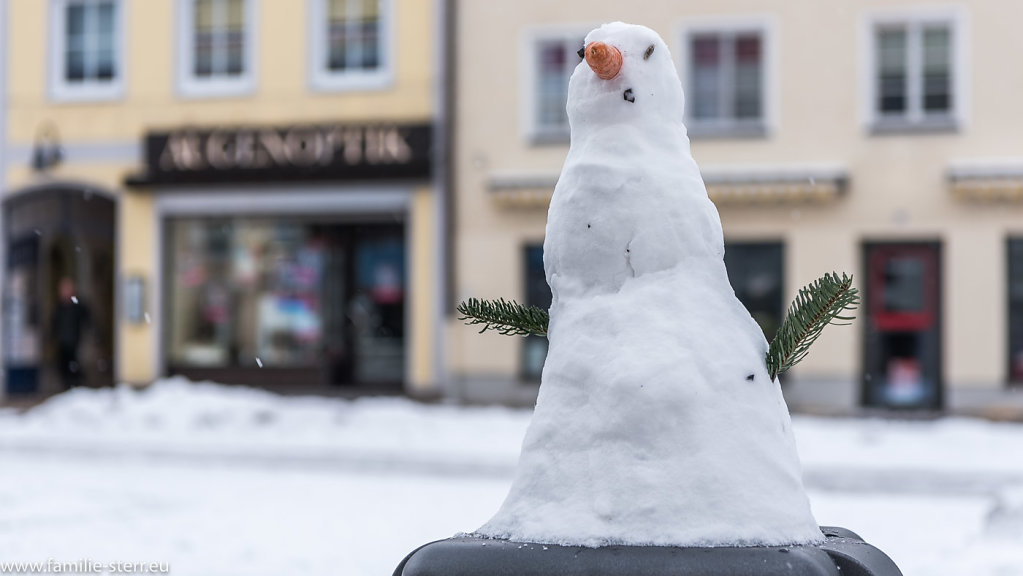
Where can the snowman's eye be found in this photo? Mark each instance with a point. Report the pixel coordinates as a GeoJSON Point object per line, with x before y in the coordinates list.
{"type": "Point", "coordinates": [582, 52]}
{"type": "Point", "coordinates": [649, 51]}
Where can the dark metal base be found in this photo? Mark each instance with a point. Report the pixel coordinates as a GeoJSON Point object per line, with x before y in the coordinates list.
{"type": "Point", "coordinates": [843, 554]}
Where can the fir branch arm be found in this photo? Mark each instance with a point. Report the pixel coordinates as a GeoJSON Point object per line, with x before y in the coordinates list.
{"type": "Point", "coordinates": [822, 302]}
{"type": "Point", "coordinates": [508, 318]}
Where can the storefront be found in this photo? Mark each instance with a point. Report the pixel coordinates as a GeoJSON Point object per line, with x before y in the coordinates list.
{"type": "Point", "coordinates": [288, 255]}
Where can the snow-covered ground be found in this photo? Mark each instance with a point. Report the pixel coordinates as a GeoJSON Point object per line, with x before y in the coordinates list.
{"type": "Point", "coordinates": [226, 480]}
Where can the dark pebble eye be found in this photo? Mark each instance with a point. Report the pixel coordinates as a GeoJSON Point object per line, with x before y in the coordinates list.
{"type": "Point", "coordinates": [649, 51]}
{"type": "Point", "coordinates": [582, 52]}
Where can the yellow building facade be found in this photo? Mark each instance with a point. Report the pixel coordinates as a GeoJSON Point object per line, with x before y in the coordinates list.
{"type": "Point", "coordinates": [877, 138]}
{"type": "Point", "coordinates": [239, 190]}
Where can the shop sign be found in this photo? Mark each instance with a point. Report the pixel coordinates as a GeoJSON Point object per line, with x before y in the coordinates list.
{"type": "Point", "coordinates": [321, 152]}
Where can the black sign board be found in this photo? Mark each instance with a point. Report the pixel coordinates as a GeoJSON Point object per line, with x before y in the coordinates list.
{"type": "Point", "coordinates": [285, 154]}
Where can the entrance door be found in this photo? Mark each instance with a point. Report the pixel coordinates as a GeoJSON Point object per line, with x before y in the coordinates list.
{"type": "Point", "coordinates": [376, 307]}
{"type": "Point", "coordinates": [58, 234]}
{"type": "Point", "coordinates": [365, 286]}
{"type": "Point", "coordinates": [902, 343]}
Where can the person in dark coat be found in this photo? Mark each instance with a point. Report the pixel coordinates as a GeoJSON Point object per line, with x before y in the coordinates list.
{"type": "Point", "coordinates": [70, 319]}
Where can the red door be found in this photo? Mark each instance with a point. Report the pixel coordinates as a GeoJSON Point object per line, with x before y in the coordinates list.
{"type": "Point", "coordinates": [902, 367]}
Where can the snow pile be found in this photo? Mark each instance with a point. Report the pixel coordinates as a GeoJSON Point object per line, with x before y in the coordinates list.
{"type": "Point", "coordinates": [656, 421]}
{"type": "Point", "coordinates": [176, 416]}
{"type": "Point", "coordinates": [202, 417]}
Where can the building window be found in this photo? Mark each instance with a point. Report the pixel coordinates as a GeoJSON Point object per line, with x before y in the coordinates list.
{"type": "Point", "coordinates": [725, 76]}
{"type": "Point", "coordinates": [216, 54]}
{"type": "Point", "coordinates": [1016, 310]}
{"type": "Point", "coordinates": [538, 293]}
{"type": "Point", "coordinates": [86, 62]}
{"type": "Point", "coordinates": [914, 80]}
{"type": "Point", "coordinates": [553, 59]}
{"type": "Point", "coordinates": [756, 271]}
{"type": "Point", "coordinates": [350, 44]}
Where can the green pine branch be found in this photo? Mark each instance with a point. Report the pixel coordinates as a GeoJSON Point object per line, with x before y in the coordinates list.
{"type": "Point", "coordinates": [508, 318]}
{"type": "Point", "coordinates": [818, 304]}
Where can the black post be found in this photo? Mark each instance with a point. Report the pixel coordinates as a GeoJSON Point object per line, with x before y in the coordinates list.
{"type": "Point", "coordinates": [843, 554]}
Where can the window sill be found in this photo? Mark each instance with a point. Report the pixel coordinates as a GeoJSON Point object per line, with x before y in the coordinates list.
{"type": "Point", "coordinates": [86, 92]}
{"type": "Point", "coordinates": [197, 89]}
{"type": "Point", "coordinates": [350, 82]}
{"type": "Point", "coordinates": [898, 126]}
{"type": "Point", "coordinates": [725, 131]}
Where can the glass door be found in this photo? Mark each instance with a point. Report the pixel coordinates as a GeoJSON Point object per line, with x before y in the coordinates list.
{"type": "Point", "coordinates": [377, 304]}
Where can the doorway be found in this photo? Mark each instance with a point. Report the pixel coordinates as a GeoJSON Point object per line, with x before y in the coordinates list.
{"type": "Point", "coordinates": [902, 335]}
{"type": "Point", "coordinates": [54, 234]}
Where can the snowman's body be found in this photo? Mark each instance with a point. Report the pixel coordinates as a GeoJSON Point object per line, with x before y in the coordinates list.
{"type": "Point", "coordinates": [656, 421]}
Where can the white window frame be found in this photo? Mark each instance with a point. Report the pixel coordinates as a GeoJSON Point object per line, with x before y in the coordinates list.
{"type": "Point", "coordinates": [914, 20]}
{"type": "Point", "coordinates": [90, 91]}
{"type": "Point", "coordinates": [532, 38]}
{"type": "Point", "coordinates": [192, 86]}
{"type": "Point", "coordinates": [321, 78]}
{"type": "Point", "coordinates": [733, 25]}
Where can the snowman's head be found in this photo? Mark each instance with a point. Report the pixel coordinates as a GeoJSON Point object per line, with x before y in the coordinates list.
{"type": "Point", "coordinates": [626, 74]}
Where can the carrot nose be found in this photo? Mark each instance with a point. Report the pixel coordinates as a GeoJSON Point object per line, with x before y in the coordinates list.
{"type": "Point", "coordinates": [604, 59]}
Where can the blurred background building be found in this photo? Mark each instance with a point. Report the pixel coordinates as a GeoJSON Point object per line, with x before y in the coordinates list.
{"type": "Point", "coordinates": [260, 191]}
{"type": "Point", "coordinates": [878, 137]}
{"type": "Point", "coordinates": [241, 190]}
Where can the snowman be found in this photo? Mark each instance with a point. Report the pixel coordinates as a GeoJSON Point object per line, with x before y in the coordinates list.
{"type": "Point", "coordinates": [657, 422]}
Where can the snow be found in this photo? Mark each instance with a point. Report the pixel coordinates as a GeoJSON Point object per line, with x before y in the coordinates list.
{"type": "Point", "coordinates": [181, 419]}
{"type": "Point", "coordinates": [657, 422]}
{"type": "Point", "coordinates": [218, 480]}
{"type": "Point", "coordinates": [212, 519]}
{"type": "Point", "coordinates": [894, 444]}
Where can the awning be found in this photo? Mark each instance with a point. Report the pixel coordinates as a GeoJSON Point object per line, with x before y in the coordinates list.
{"type": "Point", "coordinates": [522, 191]}
{"type": "Point", "coordinates": [724, 186]}
{"type": "Point", "coordinates": [992, 181]}
{"type": "Point", "coordinates": [775, 185]}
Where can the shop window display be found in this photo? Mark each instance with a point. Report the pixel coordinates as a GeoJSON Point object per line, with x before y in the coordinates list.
{"type": "Point", "coordinates": [254, 293]}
